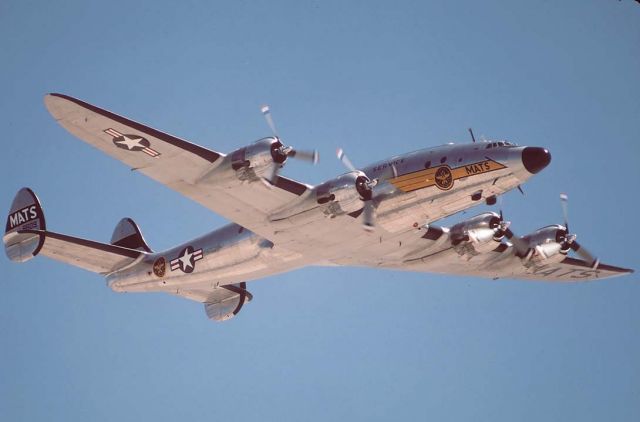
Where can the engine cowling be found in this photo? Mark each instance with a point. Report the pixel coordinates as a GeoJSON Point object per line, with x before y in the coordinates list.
{"type": "Point", "coordinates": [549, 244]}
{"type": "Point", "coordinates": [344, 194]}
{"type": "Point", "coordinates": [258, 160]}
{"type": "Point", "coordinates": [483, 232]}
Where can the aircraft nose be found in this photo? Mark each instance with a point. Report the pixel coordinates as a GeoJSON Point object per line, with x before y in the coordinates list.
{"type": "Point", "coordinates": [535, 159]}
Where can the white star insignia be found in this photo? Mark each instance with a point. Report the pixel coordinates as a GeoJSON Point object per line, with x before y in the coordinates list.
{"type": "Point", "coordinates": [130, 143]}
{"type": "Point", "coordinates": [186, 259]}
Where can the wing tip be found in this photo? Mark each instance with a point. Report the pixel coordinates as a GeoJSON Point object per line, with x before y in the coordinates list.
{"type": "Point", "coordinates": [53, 101]}
{"type": "Point", "coordinates": [49, 96]}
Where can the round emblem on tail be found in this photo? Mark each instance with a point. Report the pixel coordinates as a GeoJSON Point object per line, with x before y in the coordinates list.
{"type": "Point", "coordinates": [444, 178]}
{"type": "Point", "coordinates": [160, 267]}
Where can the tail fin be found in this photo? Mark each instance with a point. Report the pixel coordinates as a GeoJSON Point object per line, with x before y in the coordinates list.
{"type": "Point", "coordinates": [26, 236]}
{"type": "Point", "coordinates": [25, 214]}
{"type": "Point", "coordinates": [128, 235]}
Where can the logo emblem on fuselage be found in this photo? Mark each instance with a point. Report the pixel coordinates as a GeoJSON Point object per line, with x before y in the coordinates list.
{"type": "Point", "coordinates": [444, 178]}
{"type": "Point", "coordinates": [186, 260]}
{"type": "Point", "coordinates": [160, 267]}
{"type": "Point", "coordinates": [132, 143]}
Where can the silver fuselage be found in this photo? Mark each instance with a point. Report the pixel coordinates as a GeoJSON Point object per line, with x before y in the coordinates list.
{"type": "Point", "coordinates": [407, 197]}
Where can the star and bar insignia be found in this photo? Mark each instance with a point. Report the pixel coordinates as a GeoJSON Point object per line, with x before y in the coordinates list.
{"type": "Point", "coordinates": [186, 260]}
{"type": "Point", "coordinates": [132, 142]}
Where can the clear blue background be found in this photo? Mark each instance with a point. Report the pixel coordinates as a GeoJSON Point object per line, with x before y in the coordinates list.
{"type": "Point", "coordinates": [377, 78]}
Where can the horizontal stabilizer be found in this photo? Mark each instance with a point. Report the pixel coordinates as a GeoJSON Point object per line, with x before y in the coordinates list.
{"type": "Point", "coordinates": [93, 256]}
{"type": "Point", "coordinates": [26, 236]}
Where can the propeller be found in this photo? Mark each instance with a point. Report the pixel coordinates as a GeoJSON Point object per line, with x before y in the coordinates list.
{"type": "Point", "coordinates": [280, 152]}
{"type": "Point", "coordinates": [568, 240]}
{"type": "Point", "coordinates": [473, 138]}
{"type": "Point", "coordinates": [364, 186]}
{"type": "Point", "coordinates": [502, 230]}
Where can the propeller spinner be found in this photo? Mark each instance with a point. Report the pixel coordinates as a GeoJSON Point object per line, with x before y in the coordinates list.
{"type": "Point", "coordinates": [364, 186]}
{"type": "Point", "coordinates": [502, 230]}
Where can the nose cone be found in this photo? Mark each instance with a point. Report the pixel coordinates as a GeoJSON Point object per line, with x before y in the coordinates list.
{"type": "Point", "coordinates": [535, 159]}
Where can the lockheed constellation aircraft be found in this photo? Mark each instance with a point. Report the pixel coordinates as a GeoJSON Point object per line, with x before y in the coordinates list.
{"type": "Point", "coordinates": [379, 216]}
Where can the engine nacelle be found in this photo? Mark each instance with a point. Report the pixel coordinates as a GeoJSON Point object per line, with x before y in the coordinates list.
{"type": "Point", "coordinates": [547, 244]}
{"type": "Point", "coordinates": [480, 231]}
{"type": "Point", "coordinates": [342, 194]}
{"type": "Point", "coordinates": [257, 160]}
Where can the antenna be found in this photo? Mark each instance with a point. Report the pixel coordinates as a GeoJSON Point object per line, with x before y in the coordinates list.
{"type": "Point", "coordinates": [473, 138]}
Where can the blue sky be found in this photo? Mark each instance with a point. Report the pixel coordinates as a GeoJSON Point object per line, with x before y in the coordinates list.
{"type": "Point", "coordinates": [378, 79]}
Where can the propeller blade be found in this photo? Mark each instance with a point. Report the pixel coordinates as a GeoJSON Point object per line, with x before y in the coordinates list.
{"type": "Point", "coordinates": [520, 245]}
{"type": "Point", "coordinates": [520, 189]}
{"type": "Point", "coordinates": [310, 156]}
{"type": "Point", "coordinates": [585, 254]}
{"type": "Point", "coordinates": [368, 216]}
{"type": "Point", "coordinates": [473, 138]}
{"type": "Point", "coordinates": [345, 160]}
{"type": "Point", "coordinates": [564, 201]}
{"type": "Point", "coordinates": [266, 112]}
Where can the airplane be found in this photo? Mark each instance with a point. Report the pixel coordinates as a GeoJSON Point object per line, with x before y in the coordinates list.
{"type": "Point", "coordinates": [379, 216]}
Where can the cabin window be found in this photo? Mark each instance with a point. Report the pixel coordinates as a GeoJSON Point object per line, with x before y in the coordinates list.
{"type": "Point", "coordinates": [460, 159]}
{"type": "Point", "coordinates": [427, 164]}
{"type": "Point", "coordinates": [488, 146]}
{"type": "Point", "coordinates": [443, 159]}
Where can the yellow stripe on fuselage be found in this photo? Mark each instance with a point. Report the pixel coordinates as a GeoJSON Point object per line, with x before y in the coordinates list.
{"type": "Point", "coordinates": [426, 178]}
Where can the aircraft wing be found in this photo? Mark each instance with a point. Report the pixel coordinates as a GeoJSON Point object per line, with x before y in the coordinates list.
{"type": "Point", "coordinates": [503, 263]}
{"type": "Point", "coordinates": [174, 162]}
{"type": "Point", "coordinates": [432, 251]}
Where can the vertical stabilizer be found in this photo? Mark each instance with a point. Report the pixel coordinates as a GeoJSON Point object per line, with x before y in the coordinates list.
{"type": "Point", "coordinates": [25, 215]}
{"type": "Point", "coordinates": [128, 235]}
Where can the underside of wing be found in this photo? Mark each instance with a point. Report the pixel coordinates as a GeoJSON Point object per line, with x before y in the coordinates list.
{"type": "Point", "coordinates": [208, 177]}
{"type": "Point", "coordinates": [504, 263]}
{"type": "Point", "coordinates": [484, 246]}
{"type": "Point", "coordinates": [161, 156]}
